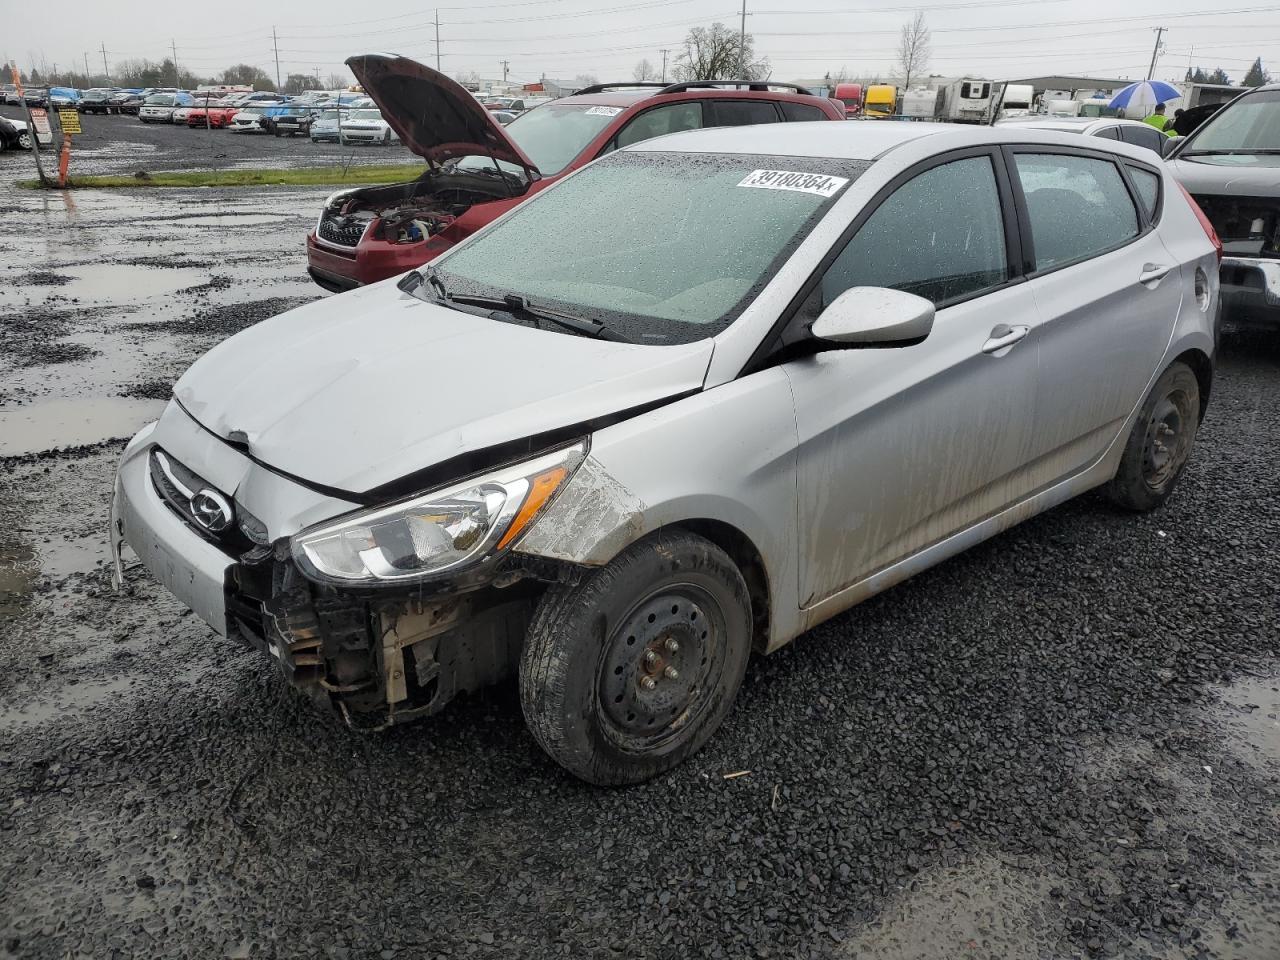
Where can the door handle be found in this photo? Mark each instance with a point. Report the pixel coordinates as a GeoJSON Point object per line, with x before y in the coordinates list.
{"type": "Point", "coordinates": [1004, 336]}
{"type": "Point", "coordinates": [1151, 272]}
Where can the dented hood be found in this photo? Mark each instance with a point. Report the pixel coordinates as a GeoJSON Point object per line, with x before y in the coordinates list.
{"type": "Point", "coordinates": [357, 391]}
{"type": "Point", "coordinates": [434, 116]}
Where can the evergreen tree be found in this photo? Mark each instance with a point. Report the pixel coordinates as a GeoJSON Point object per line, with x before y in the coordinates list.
{"type": "Point", "coordinates": [1256, 76]}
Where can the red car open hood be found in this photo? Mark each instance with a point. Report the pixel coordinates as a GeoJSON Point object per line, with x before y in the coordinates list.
{"type": "Point", "coordinates": [434, 116]}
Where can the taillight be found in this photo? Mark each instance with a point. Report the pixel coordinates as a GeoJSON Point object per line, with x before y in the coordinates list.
{"type": "Point", "coordinates": [1204, 222]}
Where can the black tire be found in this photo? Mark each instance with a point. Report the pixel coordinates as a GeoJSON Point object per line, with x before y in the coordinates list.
{"type": "Point", "coordinates": [599, 682]}
{"type": "Point", "coordinates": [1160, 443]}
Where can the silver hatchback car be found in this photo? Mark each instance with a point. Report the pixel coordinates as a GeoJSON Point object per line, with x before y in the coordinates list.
{"type": "Point", "coordinates": [684, 405]}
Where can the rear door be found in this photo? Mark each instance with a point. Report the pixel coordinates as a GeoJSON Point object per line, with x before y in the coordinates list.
{"type": "Point", "coordinates": [1107, 292]}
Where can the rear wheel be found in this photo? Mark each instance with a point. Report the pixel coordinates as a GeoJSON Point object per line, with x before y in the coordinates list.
{"type": "Point", "coordinates": [1160, 443]}
{"type": "Point", "coordinates": [627, 674]}
{"type": "Point", "coordinates": [24, 140]}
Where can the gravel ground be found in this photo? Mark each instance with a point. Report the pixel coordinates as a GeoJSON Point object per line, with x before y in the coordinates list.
{"type": "Point", "coordinates": [114, 144]}
{"type": "Point", "coordinates": [1061, 744]}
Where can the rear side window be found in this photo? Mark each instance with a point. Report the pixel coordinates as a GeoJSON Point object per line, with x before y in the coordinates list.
{"type": "Point", "coordinates": [661, 120]}
{"type": "Point", "coordinates": [940, 236]}
{"type": "Point", "coordinates": [1143, 135]}
{"type": "Point", "coordinates": [1148, 187]}
{"type": "Point", "coordinates": [1079, 207]}
{"type": "Point", "coordinates": [1108, 133]}
{"type": "Point", "coordinates": [800, 111]}
{"type": "Point", "coordinates": [738, 113]}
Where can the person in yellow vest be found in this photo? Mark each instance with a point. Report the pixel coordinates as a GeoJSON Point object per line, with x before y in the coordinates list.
{"type": "Point", "coordinates": [1159, 120]}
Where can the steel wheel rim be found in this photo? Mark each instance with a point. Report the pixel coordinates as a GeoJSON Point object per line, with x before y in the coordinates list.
{"type": "Point", "coordinates": [660, 667]}
{"type": "Point", "coordinates": [1168, 439]}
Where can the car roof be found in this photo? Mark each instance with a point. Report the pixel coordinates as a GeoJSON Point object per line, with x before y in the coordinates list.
{"type": "Point", "coordinates": [1066, 124]}
{"type": "Point", "coordinates": [859, 139]}
{"type": "Point", "coordinates": [627, 98]}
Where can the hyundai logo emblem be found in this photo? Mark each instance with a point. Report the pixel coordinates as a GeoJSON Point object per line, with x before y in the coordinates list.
{"type": "Point", "coordinates": [211, 510]}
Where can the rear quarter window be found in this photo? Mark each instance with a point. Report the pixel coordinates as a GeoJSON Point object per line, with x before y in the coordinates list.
{"type": "Point", "coordinates": [1148, 186]}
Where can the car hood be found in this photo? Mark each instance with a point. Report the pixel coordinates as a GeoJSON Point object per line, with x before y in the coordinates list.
{"type": "Point", "coordinates": [359, 390]}
{"type": "Point", "coordinates": [1228, 175]}
{"type": "Point", "coordinates": [434, 116]}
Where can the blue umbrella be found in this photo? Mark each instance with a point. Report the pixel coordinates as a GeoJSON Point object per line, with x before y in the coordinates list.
{"type": "Point", "coordinates": [1144, 95]}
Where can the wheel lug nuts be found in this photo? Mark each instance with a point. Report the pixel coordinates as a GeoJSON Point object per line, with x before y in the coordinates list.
{"type": "Point", "coordinates": [648, 683]}
{"type": "Point", "coordinates": [671, 645]}
{"type": "Point", "coordinates": [650, 657]}
{"type": "Point", "coordinates": [670, 673]}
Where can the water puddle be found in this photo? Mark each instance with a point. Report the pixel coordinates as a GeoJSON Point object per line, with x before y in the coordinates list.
{"type": "Point", "coordinates": [18, 569]}
{"type": "Point", "coordinates": [67, 422]}
{"type": "Point", "coordinates": [115, 282]}
{"type": "Point", "coordinates": [69, 699]}
{"type": "Point", "coordinates": [1253, 720]}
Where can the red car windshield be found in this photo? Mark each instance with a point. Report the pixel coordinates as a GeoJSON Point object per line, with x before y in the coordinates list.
{"type": "Point", "coordinates": [554, 134]}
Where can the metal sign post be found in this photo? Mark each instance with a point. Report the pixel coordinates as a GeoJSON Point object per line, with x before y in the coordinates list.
{"type": "Point", "coordinates": [32, 130]}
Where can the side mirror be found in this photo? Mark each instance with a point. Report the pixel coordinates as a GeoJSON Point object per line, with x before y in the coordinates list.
{"type": "Point", "coordinates": [874, 316]}
{"type": "Point", "coordinates": [1168, 145]}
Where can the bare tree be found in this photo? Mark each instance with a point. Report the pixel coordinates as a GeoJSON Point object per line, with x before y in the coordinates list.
{"type": "Point", "coordinates": [585, 80]}
{"type": "Point", "coordinates": [913, 49]}
{"type": "Point", "coordinates": [644, 71]}
{"type": "Point", "coordinates": [712, 53]}
{"type": "Point", "coordinates": [468, 78]}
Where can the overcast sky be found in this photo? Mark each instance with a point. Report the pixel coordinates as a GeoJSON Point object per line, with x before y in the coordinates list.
{"type": "Point", "coordinates": [565, 38]}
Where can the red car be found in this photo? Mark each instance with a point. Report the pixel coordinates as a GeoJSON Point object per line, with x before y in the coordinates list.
{"type": "Point", "coordinates": [477, 169]}
{"type": "Point", "coordinates": [218, 116]}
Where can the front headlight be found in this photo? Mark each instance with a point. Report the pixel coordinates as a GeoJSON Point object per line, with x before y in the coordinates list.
{"type": "Point", "coordinates": [436, 532]}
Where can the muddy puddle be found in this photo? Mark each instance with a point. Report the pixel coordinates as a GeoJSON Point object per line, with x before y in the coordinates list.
{"type": "Point", "coordinates": [69, 422]}
{"type": "Point", "coordinates": [70, 700]}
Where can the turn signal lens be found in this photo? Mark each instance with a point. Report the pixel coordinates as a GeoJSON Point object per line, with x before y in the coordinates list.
{"type": "Point", "coordinates": [540, 490]}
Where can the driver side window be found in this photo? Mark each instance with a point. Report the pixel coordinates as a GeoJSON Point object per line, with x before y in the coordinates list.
{"type": "Point", "coordinates": [940, 236]}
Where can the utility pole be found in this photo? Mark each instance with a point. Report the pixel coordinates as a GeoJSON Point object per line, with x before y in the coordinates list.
{"type": "Point", "coordinates": [174, 47]}
{"type": "Point", "coordinates": [1154, 53]}
{"type": "Point", "coordinates": [664, 53]}
{"type": "Point", "coordinates": [742, 42]}
{"type": "Point", "coordinates": [105, 71]}
{"type": "Point", "coordinates": [505, 64]}
{"type": "Point", "coordinates": [275, 45]}
{"type": "Point", "coordinates": [86, 70]}
{"type": "Point", "coordinates": [437, 39]}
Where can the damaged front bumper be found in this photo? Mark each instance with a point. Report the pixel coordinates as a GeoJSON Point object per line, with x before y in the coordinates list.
{"type": "Point", "coordinates": [377, 657]}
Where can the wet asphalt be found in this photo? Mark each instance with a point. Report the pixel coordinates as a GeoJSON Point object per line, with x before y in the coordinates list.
{"type": "Point", "coordinates": [1062, 744]}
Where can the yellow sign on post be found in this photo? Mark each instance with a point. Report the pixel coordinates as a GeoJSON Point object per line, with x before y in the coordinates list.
{"type": "Point", "coordinates": [70, 121]}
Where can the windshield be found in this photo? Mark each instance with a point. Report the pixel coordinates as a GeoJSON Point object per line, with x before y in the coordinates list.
{"type": "Point", "coordinates": [251, 111]}
{"type": "Point", "coordinates": [364, 115]}
{"type": "Point", "coordinates": [660, 247]}
{"type": "Point", "coordinates": [1250, 124]}
{"type": "Point", "coordinates": [554, 134]}
{"type": "Point", "coordinates": [160, 100]}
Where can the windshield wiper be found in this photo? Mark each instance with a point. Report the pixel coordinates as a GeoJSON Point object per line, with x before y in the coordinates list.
{"type": "Point", "coordinates": [513, 304]}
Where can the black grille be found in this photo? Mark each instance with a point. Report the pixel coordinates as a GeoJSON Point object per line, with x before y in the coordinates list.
{"type": "Point", "coordinates": [343, 231]}
{"type": "Point", "coordinates": [243, 536]}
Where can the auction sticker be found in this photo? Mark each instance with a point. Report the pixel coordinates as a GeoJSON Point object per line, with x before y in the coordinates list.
{"type": "Point", "coordinates": [816, 183]}
{"type": "Point", "coordinates": [603, 111]}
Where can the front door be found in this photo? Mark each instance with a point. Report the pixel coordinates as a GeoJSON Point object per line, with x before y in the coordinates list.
{"type": "Point", "coordinates": [901, 447]}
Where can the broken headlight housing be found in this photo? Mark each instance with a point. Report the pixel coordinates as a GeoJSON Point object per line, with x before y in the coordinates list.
{"type": "Point", "coordinates": [437, 532]}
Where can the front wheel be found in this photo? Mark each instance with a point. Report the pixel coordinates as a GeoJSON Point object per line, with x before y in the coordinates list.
{"type": "Point", "coordinates": [629, 673]}
{"type": "Point", "coordinates": [24, 140]}
{"type": "Point", "coordinates": [1160, 443]}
